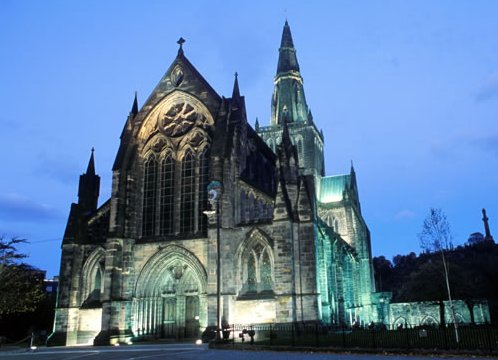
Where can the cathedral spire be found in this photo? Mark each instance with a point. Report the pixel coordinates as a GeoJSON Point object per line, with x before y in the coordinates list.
{"type": "Point", "coordinates": [287, 60]}
{"type": "Point", "coordinates": [134, 107]}
{"type": "Point", "coordinates": [288, 92]}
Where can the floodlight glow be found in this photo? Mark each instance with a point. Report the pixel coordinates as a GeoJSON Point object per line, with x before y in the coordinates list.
{"type": "Point", "coordinates": [198, 342]}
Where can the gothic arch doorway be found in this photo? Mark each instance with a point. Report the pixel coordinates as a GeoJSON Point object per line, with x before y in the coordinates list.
{"type": "Point", "coordinates": [170, 295]}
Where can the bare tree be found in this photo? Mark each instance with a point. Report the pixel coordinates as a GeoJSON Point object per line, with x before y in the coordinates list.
{"type": "Point", "coordinates": [436, 237]}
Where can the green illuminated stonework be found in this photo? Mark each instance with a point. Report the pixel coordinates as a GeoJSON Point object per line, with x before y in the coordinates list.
{"type": "Point", "coordinates": [294, 245]}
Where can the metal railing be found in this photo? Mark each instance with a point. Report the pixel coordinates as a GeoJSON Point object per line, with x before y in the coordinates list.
{"type": "Point", "coordinates": [482, 338]}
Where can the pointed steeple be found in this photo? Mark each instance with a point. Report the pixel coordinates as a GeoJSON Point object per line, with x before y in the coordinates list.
{"type": "Point", "coordinates": [89, 187]}
{"type": "Point", "coordinates": [134, 107]}
{"type": "Point", "coordinates": [288, 92]}
{"type": "Point", "coordinates": [256, 124]}
{"type": "Point", "coordinates": [90, 170]}
{"type": "Point", "coordinates": [236, 91]}
{"type": "Point", "coordinates": [287, 60]}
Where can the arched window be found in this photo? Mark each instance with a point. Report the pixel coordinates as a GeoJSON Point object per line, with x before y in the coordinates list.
{"type": "Point", "coordinates": [187, 204]}
{"type": "Point", "coordinates": [167, 195]}
{"type": "Point", "coordinates": [149, 203]}
{"type": "Point", "coordinates": [261, 210]}
{"type": "Point", "coordinates": [203, 183]}
{"type": "Point", "coordinates": [270, 211]}
{"type": "Point", "coordinates": [256, 272]}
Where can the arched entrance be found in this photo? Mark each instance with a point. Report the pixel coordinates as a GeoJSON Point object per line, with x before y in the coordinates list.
{"type": "Point", "coordinates": [170, 295]}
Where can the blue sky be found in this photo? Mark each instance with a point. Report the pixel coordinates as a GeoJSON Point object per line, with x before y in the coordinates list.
{"type": "Point", "coordinates": [408, 90]}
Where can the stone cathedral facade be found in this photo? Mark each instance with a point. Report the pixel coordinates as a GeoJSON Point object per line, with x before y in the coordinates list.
{"type": "Point", "coordinates": [294, 244]}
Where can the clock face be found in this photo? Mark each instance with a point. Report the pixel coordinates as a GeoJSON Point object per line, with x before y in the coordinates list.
{"type": "Point", "coordinates": [179, 119]}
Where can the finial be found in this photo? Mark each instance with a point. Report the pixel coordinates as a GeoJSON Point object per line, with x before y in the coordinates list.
{"type": "Point", "coordinates": [236, 91]}
{"type": "Point", "coordinates": [180, 42]}
{"type": "Point", "coordinates": [90, 170]}
{"type": "Point", "coordinates": [134, 107]}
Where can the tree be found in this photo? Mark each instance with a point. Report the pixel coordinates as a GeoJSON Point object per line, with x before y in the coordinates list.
{"type": "Point", "coordinates": [21, 285]}
{"type": "Point", "coordinates": [383, 269]}
{"type": "Point", "coordinates": [436, 237]}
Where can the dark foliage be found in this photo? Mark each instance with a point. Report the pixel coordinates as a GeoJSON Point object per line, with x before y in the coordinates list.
{"type": "Point", "coordinates": [472, 275]}
{"type": "Point", "coordinates": [24, 304]}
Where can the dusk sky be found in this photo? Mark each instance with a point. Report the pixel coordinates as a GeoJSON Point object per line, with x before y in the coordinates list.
{"type": "Point", "coordinates": [407, 90]}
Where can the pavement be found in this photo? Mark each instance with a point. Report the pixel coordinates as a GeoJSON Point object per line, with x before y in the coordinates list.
{"type": "Point", "coordinates": [185, 351]}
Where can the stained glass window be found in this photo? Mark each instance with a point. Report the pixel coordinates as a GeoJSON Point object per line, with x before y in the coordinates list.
{"type": "Point", "coordinates": [251, 274]}
{"type": "Point", "coordinates": [149, 204]}
{"type": "Point", "coordinates": [203, 183]}
{"type": "Point", "coordinates": [266, 272]}
{"type": "Point", "coordinates": [187, 205]}
{"type": "Point", "coordinates": [167, 195]}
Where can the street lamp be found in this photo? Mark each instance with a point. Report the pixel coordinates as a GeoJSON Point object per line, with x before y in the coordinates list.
{"type": "Point", "coordinates": [215, 190]}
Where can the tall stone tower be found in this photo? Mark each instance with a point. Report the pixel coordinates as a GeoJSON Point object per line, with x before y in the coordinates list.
{"type": "Point", "coordinates": [288, 105]}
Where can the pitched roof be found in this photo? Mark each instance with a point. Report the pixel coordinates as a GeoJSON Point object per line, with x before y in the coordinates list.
{"type": "Point", "coordinates": [332, 188]}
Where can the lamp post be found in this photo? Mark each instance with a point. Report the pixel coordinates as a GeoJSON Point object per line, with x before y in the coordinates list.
{"type": "Point", "coordinates": [215, 190]}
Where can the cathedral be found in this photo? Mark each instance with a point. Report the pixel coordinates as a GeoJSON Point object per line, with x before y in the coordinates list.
{"type": "Point", "coordinates": [211, 221]}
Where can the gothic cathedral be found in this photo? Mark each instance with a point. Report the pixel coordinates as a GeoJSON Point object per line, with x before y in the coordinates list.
{"type": "Point", "coordinates": [291, 242]}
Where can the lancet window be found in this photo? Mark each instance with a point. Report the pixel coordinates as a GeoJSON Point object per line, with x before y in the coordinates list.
{"type": "Point", "coordinates": [175, 193]}
{"type": "Point", "coordinates": [203, 183]}
{"type": "Point", "coordinates": [149, 203]}
{"type": "Point", "coordinates": [187, 206]}
{"type": "Point", "coordinates": [167, 194]}
{"type": "Point", "coordinates": [256, 269]}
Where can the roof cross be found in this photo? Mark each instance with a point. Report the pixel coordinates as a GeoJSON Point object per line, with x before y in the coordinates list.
{"type": "Point", "coordinates": [181, 41]}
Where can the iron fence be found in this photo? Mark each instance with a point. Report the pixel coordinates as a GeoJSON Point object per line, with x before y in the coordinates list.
{"type": "Point", "coordinates": [482, 338]}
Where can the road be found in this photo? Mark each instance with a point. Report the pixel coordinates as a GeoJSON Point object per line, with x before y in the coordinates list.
{"type": "Point", "coordinates": [182, 352]}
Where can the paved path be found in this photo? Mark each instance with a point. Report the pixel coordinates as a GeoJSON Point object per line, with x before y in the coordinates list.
{"type": "Point", "coordinates": [182, 352]}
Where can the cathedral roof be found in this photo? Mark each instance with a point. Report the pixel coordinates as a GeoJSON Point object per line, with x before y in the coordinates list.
{"type": "Point", "coordinates": [332, 188]}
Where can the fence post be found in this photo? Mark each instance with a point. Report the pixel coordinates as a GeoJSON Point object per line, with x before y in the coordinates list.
{"type": "Point", "coordinates": [317, 341]}
{"type": "Point", "coordinates": [293, 341]}
{"type": "Point", "coordinates": [271, 336]}
{"type": "Point", "coordinates": [488, 335]}
{"type": "Point", "coordinates": [373, 338]}
{"type": "Point", "coordinates": [343, 337]}
{"type": "Point", "coordinates": [233, 335]}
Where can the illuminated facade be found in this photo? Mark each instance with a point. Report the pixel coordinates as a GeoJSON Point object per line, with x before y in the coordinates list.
{"type": "Point", "coordinates": [294, 245]}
